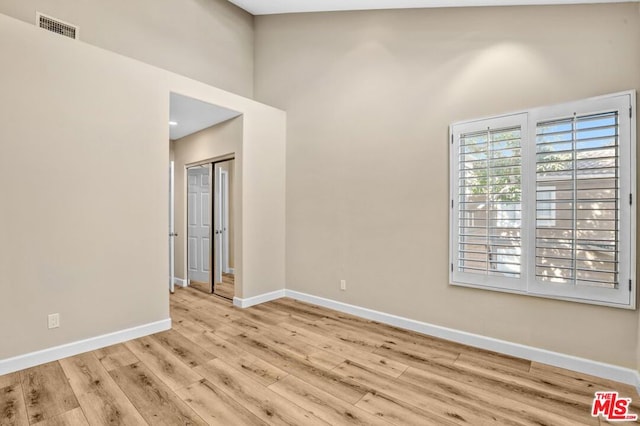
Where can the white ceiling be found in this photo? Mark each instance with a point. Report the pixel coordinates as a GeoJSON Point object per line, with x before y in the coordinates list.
{"type": "Point", "coordinates": [269, 7]}
{"type": "Point", "coordinates": [193, 115]}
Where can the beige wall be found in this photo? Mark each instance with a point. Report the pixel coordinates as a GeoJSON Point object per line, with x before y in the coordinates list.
{"type": "Point", "coordinates": [83, 178]}
{"type": "Point", "coordinates": [369, 97]}
{"type": "Point", "coordinates": [208, 40]}
{"type": "Point", "coordinates": [217, 141]}
{"type": "Point", "coordinates": [638, 231]}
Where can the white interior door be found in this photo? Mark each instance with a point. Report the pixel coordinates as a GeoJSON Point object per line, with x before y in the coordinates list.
{"type": "Point", "coordinates": [172, 232]}
{"type": "Point", "coordinates": [199, 223]}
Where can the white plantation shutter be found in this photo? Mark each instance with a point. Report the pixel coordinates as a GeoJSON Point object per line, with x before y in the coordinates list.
{"type": "Point", "coordinates": [490, 175]}
{"type": "Point", "coordinates": [540, 202]}
{"type": "Point", "coordinates": [577, 165]}
{"type": "Point", "coordinates": [488, 202]}
{"type": "Point", "coordinates": [583, 178]}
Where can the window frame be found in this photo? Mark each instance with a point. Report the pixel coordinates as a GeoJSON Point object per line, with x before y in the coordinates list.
{"type": "Point", "coordinates": [624, 296]}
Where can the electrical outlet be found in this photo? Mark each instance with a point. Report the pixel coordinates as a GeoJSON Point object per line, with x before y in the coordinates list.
{"type": "Point", "coordinates": [343, 285]}
{"type": "Point", "coordinates": [54, 320]}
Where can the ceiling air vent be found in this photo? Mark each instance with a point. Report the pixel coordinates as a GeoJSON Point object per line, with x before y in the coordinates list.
{"type": "Point", "coordinates": [57, 26]}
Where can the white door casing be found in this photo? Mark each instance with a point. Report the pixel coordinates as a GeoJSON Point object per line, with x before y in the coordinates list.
{"type": "Point", "coordinates": [199, 223]}
{"type": "Point", "coordinates": [172, 231]}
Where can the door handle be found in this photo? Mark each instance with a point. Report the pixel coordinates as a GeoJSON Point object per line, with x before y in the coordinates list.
{"type": "Point", "coordinates": [173, 234]}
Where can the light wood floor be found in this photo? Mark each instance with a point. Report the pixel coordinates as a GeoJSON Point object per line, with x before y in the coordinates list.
{"type": "Point", "coordinates": [225, 289]}
{"type": "Point", "coordinates": [201, 286]}
{"type": "Point", "coordinates": [290, 363]}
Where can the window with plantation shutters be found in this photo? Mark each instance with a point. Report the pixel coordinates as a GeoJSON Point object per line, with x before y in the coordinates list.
{"type": "Point", "coordinates": [542, 202]}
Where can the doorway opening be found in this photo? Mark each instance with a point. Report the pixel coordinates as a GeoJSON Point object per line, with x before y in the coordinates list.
{"type": "Point", "coordinates": [204, 140]}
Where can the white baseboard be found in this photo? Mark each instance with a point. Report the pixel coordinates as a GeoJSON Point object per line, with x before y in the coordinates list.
{"type": "Point", "coordinates": [256, 300]}
{"type": "Point", "coordinates": [32, 359]}
{"type": "Point", "coordinates": [179, 281]}
{"type": "Point", "coordinates": [582, 365]}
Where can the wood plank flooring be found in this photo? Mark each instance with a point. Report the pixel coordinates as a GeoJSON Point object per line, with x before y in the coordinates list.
{"type": "Point", "coordinates": [291, 363]}
{"type": "Point", "coordinates": [201, 286]}
{"type": "Point", "coordinates": [226, 288]}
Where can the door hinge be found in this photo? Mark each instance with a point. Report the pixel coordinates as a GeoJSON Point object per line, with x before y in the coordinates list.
{"type": "Point", "coordinates": [629, 284]}
{"type": "Point", "coordinates": [452, 267]}
{"type": "Point", "coordinates": [630, 199]}
{"type": "Point", "coordinates": [451, 203]}
{"type": "Point", "coordinates": [630, 112]}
